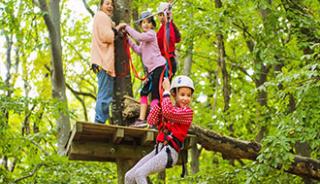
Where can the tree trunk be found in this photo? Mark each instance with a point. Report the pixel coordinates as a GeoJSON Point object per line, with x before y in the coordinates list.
{"type": "Point", "coordinates": [122, 167]}
{"type": "Point", "coordinates": [262, 96]}
{"type": "Point", "coordinates": [303, 149]}
{"type": "Point", "coordinates": [195, 154]}
{"type": "Point", "coordinates": [232, 148]}
{"type": "Point", "coordinates": [9, 44]}
{"type": "Point", "coordinates": [262, 72]}
{"type": "Point", "coordinates": [122, 85]}
{"type": "Point", "coordinates": [52, 21]}
{"type": "Point", "coordinates": [226, 89]}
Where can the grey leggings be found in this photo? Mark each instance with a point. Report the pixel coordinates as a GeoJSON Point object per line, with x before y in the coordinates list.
{"type": "Point", "coordinates": [149, 164]}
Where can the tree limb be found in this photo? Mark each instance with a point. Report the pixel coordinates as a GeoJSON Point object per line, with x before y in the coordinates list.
{"type": "Point", "coordinates": [88, 8]}
{"type": "Point", "coordinates": [25, 125]}
{"type": "Point", "coordinates": [58, 80]}
{"type": "Point", "coordinates": [232, 148]}
{"type": "Point", "coordinates": [76, 51]}
{"type": "Point", "coordinates": [37, 167]}
{"type": "Point", "coordinates": [243, 70]}
{"type": "Point", "coordinates": [76, 93]}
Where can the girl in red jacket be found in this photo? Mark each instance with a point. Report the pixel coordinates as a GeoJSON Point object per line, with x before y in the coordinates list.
{"type": "Point", "coordinates": [173, 122]}
{"type": "Point", "coordinates": [168, 35]}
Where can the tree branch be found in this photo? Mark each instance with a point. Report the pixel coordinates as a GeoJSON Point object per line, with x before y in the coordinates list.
{"type": "Point", "coordinates": [76, 93]}
{"type": "Point", "coordinates": [25, 126]}
{"type": "Point", "coordinates": [88, 8]}
{"type": "Point", "coordinates": [37, 167]}
{"type": "Point", "coordinates": [232, 148]}
{"type": "Point", "coordinates": [76, 51]}
{"type": "Point", "coordinates": [40, 148]}
{"type": "Point", "coordinates": [237, 65]}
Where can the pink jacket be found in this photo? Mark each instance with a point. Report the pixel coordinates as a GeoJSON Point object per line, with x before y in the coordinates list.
{"type": "Point", "coordinates": [148, 48]}
{"type": "Point", "coordinates": [102, 47]}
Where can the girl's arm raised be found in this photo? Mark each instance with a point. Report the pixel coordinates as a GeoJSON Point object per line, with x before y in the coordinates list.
{"type": "Point", "coordinates": [174, 114]}
{"type": "Point", "coordinates": [141, 37]}
{"type": "Point", "coordinates": [136, 48]}
{"type": "Point", "coordinates": [154, 115]}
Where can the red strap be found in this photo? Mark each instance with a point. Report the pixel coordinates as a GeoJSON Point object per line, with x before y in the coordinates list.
{"type": "Point", "coordinates": [166, 46]}
{"type": "Point", "coordinates": [127, 49]}
{"type": "Point", "coordinates": [160, 84]}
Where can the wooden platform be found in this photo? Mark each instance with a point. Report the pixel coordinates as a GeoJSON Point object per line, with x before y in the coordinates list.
{"type": "Point", "coordinates": [97, 142]}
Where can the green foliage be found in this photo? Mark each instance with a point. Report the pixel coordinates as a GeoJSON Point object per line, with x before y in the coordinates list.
{"type": "Point", "coordinates": [283, 38]}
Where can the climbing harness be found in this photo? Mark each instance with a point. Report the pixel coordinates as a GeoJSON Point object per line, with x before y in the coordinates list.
{"type": "Point", "coordinates": [96, 68]}
{"type": "Point", "coordinates": [175, 143]}
{"type": "Point", "coordinates": [127, 49]}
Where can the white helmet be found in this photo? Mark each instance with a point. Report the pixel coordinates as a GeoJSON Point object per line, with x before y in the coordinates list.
{"type": "Point", "coordinates": [163, 6]}
{"type": "Point", "coordinates": [182, 81]}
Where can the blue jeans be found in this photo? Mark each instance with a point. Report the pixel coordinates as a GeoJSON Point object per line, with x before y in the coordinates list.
{"type": "Point", "coordinates": [104, 97]}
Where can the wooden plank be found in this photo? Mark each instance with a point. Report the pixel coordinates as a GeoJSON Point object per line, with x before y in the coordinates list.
{"type": "Point", "coordinates": [86, 131]}
{"type": "Point", "coordinates": [118, 135]}
{"type": "Point", "coordinates": [78, 128]}
{"type": "Point", "coordinates": [148, 138]}
{"type": "Point", "coordinates": [106, 151]}
{"type": "Point", "coordinates": [94, 130]}
{"type": "Point", "coordinates": [96, 142]}
{"type": "Point", "coordinates": [74, 134]}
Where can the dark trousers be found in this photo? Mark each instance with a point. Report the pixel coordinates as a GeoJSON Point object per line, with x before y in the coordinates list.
{"type": "Point", "coordinates": [173, 66]}
{"type": "Point", "coordinates": [153, 84]}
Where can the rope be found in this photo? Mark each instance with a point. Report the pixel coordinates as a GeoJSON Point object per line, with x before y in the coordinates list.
{"type": "Point", "coordinates": [160, 84]}
{"type": "Point", "coordinates": [166, 47]}
{"type": "Point", "coordinates": [127, 49]}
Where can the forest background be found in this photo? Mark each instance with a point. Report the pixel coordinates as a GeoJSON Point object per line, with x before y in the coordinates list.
{"type": "Point", "coordinates": [255, 65]}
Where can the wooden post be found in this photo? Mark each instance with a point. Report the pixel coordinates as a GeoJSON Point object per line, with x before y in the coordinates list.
{"type": "Point", "coordinates": [195, 154]}
{"type": "Point", "coordinates": [162, 177]}
{"type": "Point", "coordinates": [122, 167]}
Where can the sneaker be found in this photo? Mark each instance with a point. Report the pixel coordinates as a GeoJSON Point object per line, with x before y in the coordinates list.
{"type": "Point", "coordinates": [153, 127]}
{"type": "Point", "coordinates": [98, 122]}
{"type": "Point", "coordinates": [139, 124]}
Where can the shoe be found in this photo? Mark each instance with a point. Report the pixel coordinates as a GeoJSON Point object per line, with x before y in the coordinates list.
{"type": "Point", "coordinates": [139, 124]}
{"type": "Point", "coordinates": [98, 122]}
{"type": "Point", "coordinates": [153, 127]}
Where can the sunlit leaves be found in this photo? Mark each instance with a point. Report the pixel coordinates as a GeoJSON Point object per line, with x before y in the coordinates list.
{"type": "Point", "coordinates": [252, 40]}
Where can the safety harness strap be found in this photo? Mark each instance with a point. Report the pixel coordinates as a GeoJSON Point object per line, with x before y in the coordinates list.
{"type": "Point", "coordinates": [127, 49]}
{"type": "Point", "coordinates": [169, 160]}
{"type": "Point", "coordinates": [169, 163]}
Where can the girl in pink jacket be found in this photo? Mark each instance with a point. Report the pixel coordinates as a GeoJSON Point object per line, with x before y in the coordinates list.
{"type": "Point", "coordinates": [152, 59]}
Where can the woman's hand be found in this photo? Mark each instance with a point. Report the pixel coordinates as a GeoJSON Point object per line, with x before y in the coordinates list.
{"type": "Point", "coordinates": [121, 26]}
{"type": "Point", "coordinates": [166, 84]}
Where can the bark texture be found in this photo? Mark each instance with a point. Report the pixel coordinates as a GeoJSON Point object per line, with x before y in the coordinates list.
{"type": "Point", "coordinates": [52, 21]}
{"type": "Point", "coordinates": [232, 148]}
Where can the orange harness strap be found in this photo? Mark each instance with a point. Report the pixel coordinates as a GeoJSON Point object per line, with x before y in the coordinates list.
{"type": "Point", "coordinates": [127, 49]}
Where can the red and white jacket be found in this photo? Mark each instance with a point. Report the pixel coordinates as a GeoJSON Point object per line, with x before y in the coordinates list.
{"type": "Point", "coordinates": [175, 119]}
